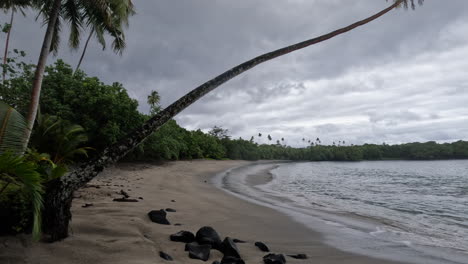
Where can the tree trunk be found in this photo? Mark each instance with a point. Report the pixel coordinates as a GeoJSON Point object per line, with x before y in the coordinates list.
{"type": "Point", "coordinates": [40, 68]}
{"type": "Point", "coordinates": [84, 51]}
{"type": "Point", "coordinates": [78, 178]}
{"type": "Point", "coordinates": [7, 42]}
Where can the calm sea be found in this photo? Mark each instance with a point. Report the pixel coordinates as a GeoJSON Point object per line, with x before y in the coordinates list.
{"type": "Point", "coordinates": [415, 211]}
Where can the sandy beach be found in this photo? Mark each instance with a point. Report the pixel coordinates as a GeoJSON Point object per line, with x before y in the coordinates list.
{"type": "Point", "coordinates": [121, 232]}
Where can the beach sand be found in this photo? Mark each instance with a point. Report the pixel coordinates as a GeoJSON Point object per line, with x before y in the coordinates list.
{"type": "Point", "coordinates": [117, 232]}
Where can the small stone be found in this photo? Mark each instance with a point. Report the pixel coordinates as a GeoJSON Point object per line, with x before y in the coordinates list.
{"type": "Point", "coordinates": [170, 210]}
{"type": "Point", "coordinates": [183, 236]}
{"type": "Point", "coordinates": [165, 256]}
{"type": "Point", "coordinates": [197, 251]}
{"type": "Point", "coordinates": [207, 235]}
{"type": "Point", "coordinates": [274, 259]}
{"type": "Point", "coordinates": [229, 248]}
{"type": "Point", "coordinates": [124, 193]}
{"type": "Point", "coordinates": [238, 240]}
{"type": "Point", "coordinates": [141, 198]}
{"type": "Point", "coordinates": [125, 200]}
{"type": "Point", "coordinates": [232, 260]}
{"type": "Point", "coordinates": [177, 224]}
{"type": "Point", "coordinates": [298, 256]}
{"type": "Point", "coordinates": [262, 246]}
{"type": "Point", "coordinates": [87, 205]}
{"type": "Point", "coordinates": [158, 217]}
{"type": "Point", "coordinates": [173, 201]}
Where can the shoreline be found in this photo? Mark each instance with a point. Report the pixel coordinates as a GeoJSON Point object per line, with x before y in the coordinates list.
{"type": "Point", "coordinates": [112, 232]}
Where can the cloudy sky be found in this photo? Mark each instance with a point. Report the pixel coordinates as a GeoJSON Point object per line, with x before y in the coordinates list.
{"type": "Point", "coordinates": [401, 78]}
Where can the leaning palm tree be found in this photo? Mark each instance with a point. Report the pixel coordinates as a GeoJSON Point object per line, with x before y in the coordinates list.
{"type": "Point", "coordinates": [55, 12]}
{"type": "Point", "coordinates": [121, 11]}
{"type": "Point", "coordinates": [59, 196]}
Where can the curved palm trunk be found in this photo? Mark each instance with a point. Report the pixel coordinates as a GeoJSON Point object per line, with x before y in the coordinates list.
{"type": "Point", "coordinates": [84, 51]}
{"type": "Point", "coordinates": [40, 68]}
{"type": "Point", "coordinates": [58, 203]}
{"type": "Point", "coordinates": [7, 42]}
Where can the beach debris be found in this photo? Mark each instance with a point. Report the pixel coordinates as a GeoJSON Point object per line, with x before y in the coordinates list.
{"type": "Point", "coordinates": [124, 193]}
{"type": "Point", "coordinates": [173, 201]}
{"type": "Point", "coordinates": [125, 200]}
{"type": "Point", "coordinates": [232, 260]}
{"type": "Point", "coordinates": [238, 241]}
{"type": "Point", "coordinates": [197, 251]}
{"type": "Point", "coordinates": [170, 210]}
{"type": "Point", "coordinates": [229, 248]}
{"type": "Point", "coordinates": [207, 235]}
{"type": "Point", "coordinates": [298, 256]}
{"type": "Point", "coordinates": [183, 236]}
{"type": "Point", "coordinates": [262, 246]}
{"type": "Point", "coordinates": [274, 259]}
{"type": "Point", "coordinates": [165, 256]}
{"type": "Point", "coordinates": [87, 205]}
{"type": "Point", "coordinates": [159, 216]}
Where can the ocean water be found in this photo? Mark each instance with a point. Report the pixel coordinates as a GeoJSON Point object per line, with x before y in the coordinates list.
{"type": "Point", "coordinates": [412, 211]}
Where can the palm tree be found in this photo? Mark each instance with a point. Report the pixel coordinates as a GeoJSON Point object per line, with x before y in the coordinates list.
{"type": "Point", "coordinates": [15, 6]}
{"type": "Point", "coordinates": [59, 195]}
{"type": "Point", "coordinates": [121, 11]}
{"type": "Point", "coordinates": [153, 101]}
{"type": "Point", "coordinates": [76, 13]}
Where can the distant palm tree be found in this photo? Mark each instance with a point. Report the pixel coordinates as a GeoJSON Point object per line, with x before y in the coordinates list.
{"type": "Point", "coordinates": [153, 101]}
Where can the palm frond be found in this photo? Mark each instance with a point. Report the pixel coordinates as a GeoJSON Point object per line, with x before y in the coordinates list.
{"type": "Point", "coordinates": [12, 129]}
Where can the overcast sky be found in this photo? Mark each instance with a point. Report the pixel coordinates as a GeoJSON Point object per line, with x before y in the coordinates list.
{"type": "Point", "coordinates": [401, 78]}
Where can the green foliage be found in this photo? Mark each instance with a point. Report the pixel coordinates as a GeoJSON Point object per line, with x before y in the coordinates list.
{"type": "Point", "coordinates": [17, 171]}
{"type": "Point", "coordinates": [12, 129]}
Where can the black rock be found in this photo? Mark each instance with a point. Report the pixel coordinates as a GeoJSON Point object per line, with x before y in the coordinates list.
{"type": "Point", "coordinates": [124, 193]}
{"type": "Point", "coordinates": [232, 260]}
{"type": "Point", "coordinates": [298, 256]}
{"type": "Point", "coordinates": [173, 201]}
{"type": "Point", "coordinates": [207, 235]}
{"type": "Point", "coordinates": [274, 259]}
{"type": "Point", "coordinates": [262, 246]}
{"type": "Point", "coordinates": [238, 240]}
{"type": "Point", "coordinates": [197, 251]}
{"type": "Point", "coordinates": [177, 224]}
{"type": "Point", "coordinates": [183, 236]}
{"type": "Point", "coordinates": [229, 248]}
{"type": "Point", "coordinates": [158, 217]}
{"type": "Point", "coordinates": [170, 210]}
{"type": "Point", "coordinates": [141, 198]}
{"type": "Point", "coordinates": [165, 256]}
{"type": "Point", "coordinates": [125, 200]}
{"type": "Point", "coordinates": [87, 205]}
{"type": "Point", "coordinates": [216, 262]}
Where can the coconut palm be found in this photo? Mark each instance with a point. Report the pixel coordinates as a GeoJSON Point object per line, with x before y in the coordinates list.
{"type": "Point", "coordinates": [59, 196]}
{"type": "Point", "coordinates": [77, 14]}
{"type": "Point", "coordinates": [14, 6]}
{"type": "Point", "coordinates": [121, 11]}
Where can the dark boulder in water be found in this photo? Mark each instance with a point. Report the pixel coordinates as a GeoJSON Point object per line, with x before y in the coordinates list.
{"type": "Point", "coordinates": [229, 248]}
{"type": "Point", "coordinates": [262, 246]}
{"type": "Point", "coordinates": [197, 251]}
{"type": "Point", "coordinates": [183, 236]}
{"type": "Point", "coordinates": [207, 235]}
{"type": "Point", "coordinates": [274, 259]}
{"type": "Point", "coordinates": [232, 260]}
{"type": "Point", "coordinates": [298, 256]}
{"type": "Point", "coordinates": [159, 216]}
{"type": "Point", "coordinates": [165, 256]}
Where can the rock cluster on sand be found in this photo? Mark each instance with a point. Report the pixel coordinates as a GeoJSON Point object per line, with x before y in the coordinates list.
{"type": "Point", "coordinates": [206, 238]}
